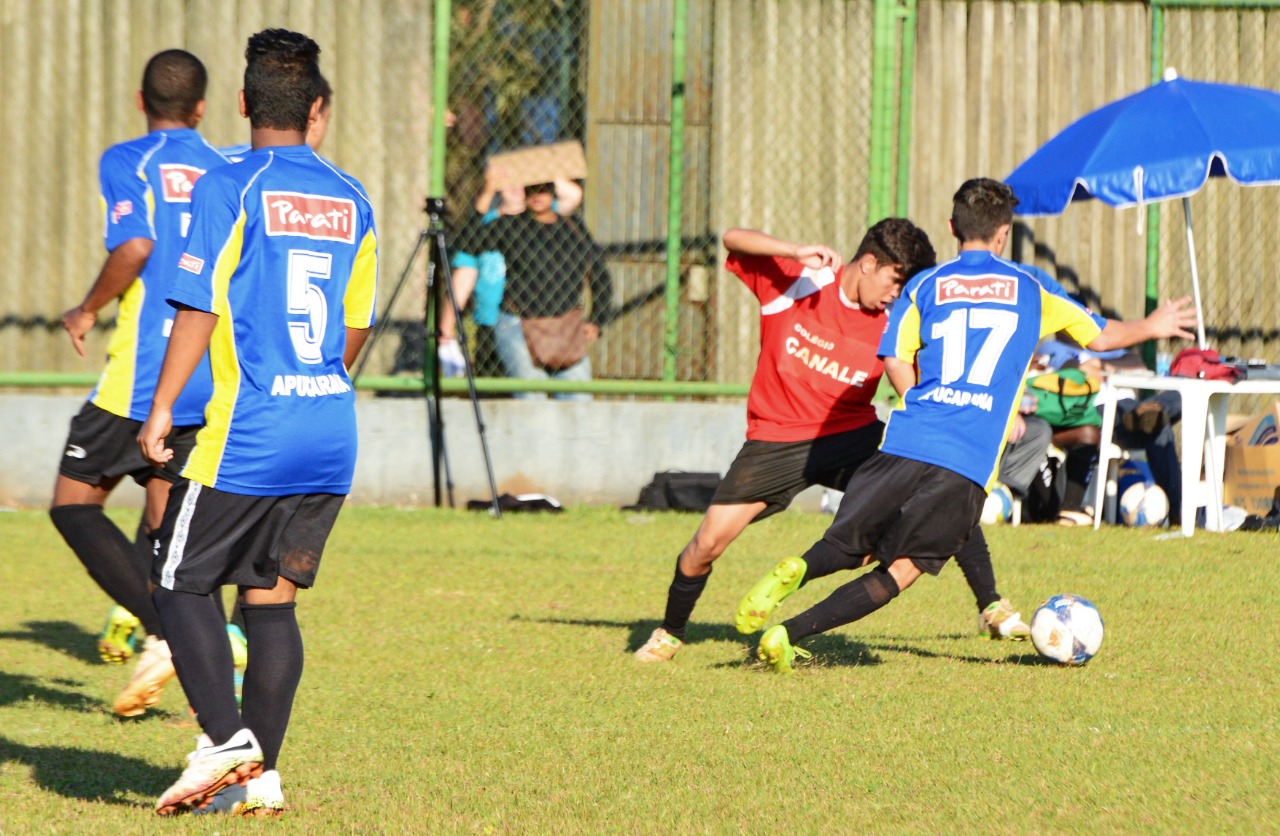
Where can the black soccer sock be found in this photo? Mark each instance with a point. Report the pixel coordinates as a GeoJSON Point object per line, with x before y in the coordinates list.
{"type": "Point", "coordinates": [682, 597]}
{"type": "Point", "coordinates": [143, 556]}
{"type": "Point", "coordinates": [825, 558]}
{"type": "Point", "coordinates": [856, 599]}
{"type": "Point", "coordinates": [272, 676]}
{"type": "Point", "coordinates": [975, 561]}
{"type": "Point", "coordinates": [202, 656]}
{"type": "Point", "coordinates": [237, 616]}
{"type": "Point", "coordinates": [109, 558]}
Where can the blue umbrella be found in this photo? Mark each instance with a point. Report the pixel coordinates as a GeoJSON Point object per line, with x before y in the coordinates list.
{"type": "Point", "coordinates": [1160, 143]}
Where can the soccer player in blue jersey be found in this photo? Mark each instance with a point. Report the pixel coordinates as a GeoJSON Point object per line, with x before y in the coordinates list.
{"type": "Point", "coordinates": [958, 344]}
{"type": "Point", "coordinates": [146, 188]}
{"type": "Point", "coordinates": [278, 282]}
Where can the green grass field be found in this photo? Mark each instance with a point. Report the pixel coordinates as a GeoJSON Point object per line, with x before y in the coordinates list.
{"type": "Point", "coordinates": [472, 675]}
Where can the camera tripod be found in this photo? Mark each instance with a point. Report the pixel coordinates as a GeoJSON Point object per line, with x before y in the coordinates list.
{"type": "Point", "coordinates": [439, 286]}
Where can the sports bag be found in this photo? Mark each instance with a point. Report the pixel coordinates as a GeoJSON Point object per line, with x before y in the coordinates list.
{"type": "Point", "coordinates": [1065, 398]}
{"type": "Point", "coordinates": [1203, 364]}
{"type": "Point", "coordinates": [555, 342]}
{"type": "Point", "coordinates": [675, 490]}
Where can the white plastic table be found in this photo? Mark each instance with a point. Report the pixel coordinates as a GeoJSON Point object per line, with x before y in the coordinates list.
{"type": "Point", "coordinates": [1204, 437]}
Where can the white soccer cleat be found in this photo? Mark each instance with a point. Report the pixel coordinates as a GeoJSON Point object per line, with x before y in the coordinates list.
{"type": "Point", "coordinates": [260, 797]}
{"type": "Point", "coordinates": [660, 647]}
{"type": "Point", "coordinates": [1001, 621]}
{"type": "Point", "coordinates": [209, 769]}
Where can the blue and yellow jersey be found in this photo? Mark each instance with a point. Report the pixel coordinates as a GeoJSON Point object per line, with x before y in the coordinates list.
{"type": "Point", "coordinates": [283, 249]}
{"type": "Point", "coordinates": [971, 327]}
{"type": "Point", "coordinates": [146, 193]}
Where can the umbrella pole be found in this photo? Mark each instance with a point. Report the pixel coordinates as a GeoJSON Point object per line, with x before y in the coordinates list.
{"type": "Point", "coordinates": [1213, 503]}
{"type": "Point", "coordinates": [1195, 275]}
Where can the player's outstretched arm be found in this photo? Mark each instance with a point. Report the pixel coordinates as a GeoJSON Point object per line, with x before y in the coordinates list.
{"type": "Point", "coordinates": [754, 242]}
{"type": "Point", "coordinates": [188, 341]}
{"type": "Point", "coordinates": [123, 265]}
{"type": "Point", "coordinates": [1172, 319]}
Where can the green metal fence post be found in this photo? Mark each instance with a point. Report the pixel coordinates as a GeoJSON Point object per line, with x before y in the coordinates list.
{"type": "Point", "coordinates": [1153, 212]}
{"type": "Point", "coordinates": [906, 88]}
{"type": "Point", "coordinates": [675, 193]}
{"type": "Point", "coordinates": [883, 53]}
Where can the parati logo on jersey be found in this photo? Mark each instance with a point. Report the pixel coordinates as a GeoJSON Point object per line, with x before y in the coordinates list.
{"type": "Point", "coordinates": [1002, 289]}
{"type": "Point", "coordinates": [191, 263]}
{"type": "Point", "coordinates": [310, 216]}
{"type": "Point", "coordinates": [177, 181]}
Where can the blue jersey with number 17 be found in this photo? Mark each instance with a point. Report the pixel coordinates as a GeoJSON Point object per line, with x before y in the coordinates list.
{"type": "Point", "coordinates": [971, 327]}
{"type": "Point", "coordinates": [283, 249]}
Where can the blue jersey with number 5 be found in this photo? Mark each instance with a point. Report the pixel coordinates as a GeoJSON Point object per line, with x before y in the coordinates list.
{"type": "Point", "coordinates": [971, 327]}
{"type": "Point", "coordinates": [283, 250]}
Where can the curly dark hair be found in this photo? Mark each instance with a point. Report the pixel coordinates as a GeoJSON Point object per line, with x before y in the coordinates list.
{"type": "Point", "coordinates": [281, 79]}
{"type": "Point", "coordinates": [898, 241]}
{"type": "Point", "coordinates": [980, 207]}
{"type": "Point", "coordinates": [173, 83]}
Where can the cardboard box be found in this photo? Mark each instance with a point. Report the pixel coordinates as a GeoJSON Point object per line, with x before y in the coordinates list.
{"type": "Point", "coordinates": [544, 163]}
{"type": "Point", "coordinates": [1252, 471]}
{"type": "Point", "coordinates": [1259, 430]}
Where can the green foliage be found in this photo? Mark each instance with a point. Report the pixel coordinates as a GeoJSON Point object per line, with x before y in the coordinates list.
{"type": "Point", "coordinates": [472, 675]}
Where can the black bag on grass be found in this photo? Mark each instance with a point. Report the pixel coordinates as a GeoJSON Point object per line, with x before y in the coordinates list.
{"type": "Point", "coordinates": [675, 490]}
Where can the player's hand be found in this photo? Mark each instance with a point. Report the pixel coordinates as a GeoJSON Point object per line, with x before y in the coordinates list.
{"type": "Point", "coordinates": [1174, 318]}
{"type": "Point", "coordinates": [77, 323]}
{"type": "Point", "coordinates": [592, 332]}
{"type": "Point", "coordinates": [817, 256]}
{"type": "Point", "coordinates": [152, 436]}
{"type": "Point", "coordinates": [452, 363]}
{"type": "Point", "coordinates": [1018, 429]}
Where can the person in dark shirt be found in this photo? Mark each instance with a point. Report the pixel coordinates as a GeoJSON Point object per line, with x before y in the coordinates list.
{"type": "Point", "coordinates": [550, 260]}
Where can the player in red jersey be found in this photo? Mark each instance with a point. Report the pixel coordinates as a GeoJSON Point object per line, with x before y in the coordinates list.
{"type": "Point", "coordinates": [809, 415]}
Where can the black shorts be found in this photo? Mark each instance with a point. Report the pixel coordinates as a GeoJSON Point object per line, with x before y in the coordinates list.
{"type": "Point", "coordinates": [900, 507]}
{"type": "Point", "coordinates": [211, 538]}
{"type": "Point", "coordinates": [103, 446]}
{"type": "Point", "coordinates": [774, 472]}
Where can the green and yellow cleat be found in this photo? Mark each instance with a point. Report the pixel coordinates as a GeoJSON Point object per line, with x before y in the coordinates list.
{"type": "Point", "coordinates": [765, 596]}
{"type": "Point", "coordinates": [116, 643]}
{"type": "Point", "coordinates": [775, 650]}
{"type": "Point", "coordinates": [1001, 621]}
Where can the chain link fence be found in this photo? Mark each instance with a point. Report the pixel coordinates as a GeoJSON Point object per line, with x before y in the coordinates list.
{"type": "Point", "coordinates": [771, 114]}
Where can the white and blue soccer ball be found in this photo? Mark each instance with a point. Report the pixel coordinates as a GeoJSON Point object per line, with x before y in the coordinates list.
{"type": "Point", "coordinates": [998, 507]}
{"type": "Point", "coordinates": [1067, 629]}
{"type": "Point", "coordinates": [1143, 504]}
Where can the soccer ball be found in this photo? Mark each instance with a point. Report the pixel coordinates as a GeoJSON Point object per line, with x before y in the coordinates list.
{"type": "Point", "coordinates": [1143, 503]}
{"type": "Point", "coordinates": [1067, 629]}
{"type": "Point", "coordinates": [998, 507]}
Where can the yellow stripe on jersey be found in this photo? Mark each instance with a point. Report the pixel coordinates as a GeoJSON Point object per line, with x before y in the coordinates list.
{"type": "Point", "coordinates": [115, 387]}
{"type": "Point", "coordinates": [908, 339]}
{"type": "Point", "coordinates": [211, 442]}
{"type": "Point", "coordinates": [1058, 314]}
{"type": "Point", "coordinates": [362, 290]}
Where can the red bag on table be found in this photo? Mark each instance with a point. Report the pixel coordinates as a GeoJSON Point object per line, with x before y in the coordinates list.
{"type": "Point", "coordinates": [1204, 364]}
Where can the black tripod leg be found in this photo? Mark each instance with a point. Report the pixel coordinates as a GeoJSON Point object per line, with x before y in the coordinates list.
{"type": "Point", "coordinates": [378, 329]}
{"type": "Point", "coordinates": [446, 281]}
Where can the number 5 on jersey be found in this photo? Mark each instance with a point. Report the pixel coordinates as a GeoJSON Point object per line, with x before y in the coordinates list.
{"type": "Point", "coordinates": [306, 299]}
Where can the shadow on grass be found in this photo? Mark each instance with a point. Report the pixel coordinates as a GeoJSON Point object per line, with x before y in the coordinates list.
{"type": "Point", "coordinates": [18, 688]}
{"type": "Point", "coordinates": [86, 774]}
{"type": "Point", "coordinates": [63, 636]}
{"type": "Point", "coordinates": [697, 631]}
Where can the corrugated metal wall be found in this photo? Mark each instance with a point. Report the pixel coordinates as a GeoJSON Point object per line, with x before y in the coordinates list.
{"type": "Point", "coordinates": [1237, 228]}
{"type": "Point", "coordinates": [790, 139]}
{"type": "Point", "coordinates": [994, 81]}
{"type": "Point", "coordinates": [777, 137]}
{"type": "Point", "coordinates": [68, 73]}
